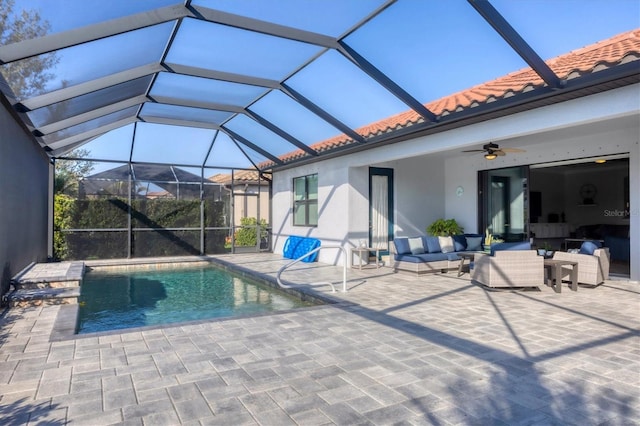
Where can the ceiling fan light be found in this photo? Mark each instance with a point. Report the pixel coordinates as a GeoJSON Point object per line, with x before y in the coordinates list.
{"type": "Point", "coordinates": [490, 156]}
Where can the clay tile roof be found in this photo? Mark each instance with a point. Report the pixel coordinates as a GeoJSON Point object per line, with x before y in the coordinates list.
{"type": "Point", "coordinates": [158, 194]}
{"type": "Point", "coordinates": [239, 176]}
{"type": "Point", "coordinates": [604, 54]}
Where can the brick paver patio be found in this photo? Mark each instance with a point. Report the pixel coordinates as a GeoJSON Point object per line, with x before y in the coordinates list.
{"type": "Point", "coordinates": [399, 349]}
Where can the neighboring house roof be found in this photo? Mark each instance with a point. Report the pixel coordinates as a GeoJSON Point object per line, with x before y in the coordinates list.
{"type": "Point", "coordinates": [147, 172]}
{"type": "Point", "coordinates": [165, 176]}
{"type": "Point", "coordinates": [608, 53]}
{"type": "Point", "coordinates": [239, 176]}
{"type": "Point", "coordinates": [158, 194]}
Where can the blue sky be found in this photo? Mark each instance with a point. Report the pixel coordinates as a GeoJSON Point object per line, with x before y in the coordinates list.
{"type": "Point", "coordinates": [432, 48]}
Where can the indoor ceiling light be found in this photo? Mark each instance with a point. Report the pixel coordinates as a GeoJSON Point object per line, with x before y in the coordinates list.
{"type": "Point", "coordinates": [490, 156]}
{"type": "Point", "coordinates": [578, 161]}
{"type": "Point", "coordinates": [601, 160]}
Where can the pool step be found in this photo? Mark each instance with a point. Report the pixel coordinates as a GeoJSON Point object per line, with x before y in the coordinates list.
{"type": "Point", "coordinates": [50, 284]}
{"type": "Point", "coordinates": [47, 284]}
{"type": "Point", "coordinates": [43, 296]}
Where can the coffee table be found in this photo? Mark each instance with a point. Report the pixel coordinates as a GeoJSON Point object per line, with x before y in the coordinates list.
{"type": "Point", "coordinates": [464, 256]}
{"type": "Point", "coordinates": [554, 267]}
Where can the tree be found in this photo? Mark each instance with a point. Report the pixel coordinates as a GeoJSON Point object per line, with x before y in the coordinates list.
{"type": "Point", "coordinates": [69, 172]}
{"type": "Point", "coordinates": [27, 77]}
{"type": "Point", "coordinates": [66, 178]}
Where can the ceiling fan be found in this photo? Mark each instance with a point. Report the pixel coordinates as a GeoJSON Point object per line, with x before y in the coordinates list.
{"type": "Point", "coordinates": [492, 151]}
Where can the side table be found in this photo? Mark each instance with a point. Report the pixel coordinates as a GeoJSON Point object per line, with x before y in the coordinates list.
{"type": "Point", "coordinates": [464, 256]}
{"type": "Point", "coordinates": [364, 251]}
{"type": "Point", "coordinates": [554, 267]}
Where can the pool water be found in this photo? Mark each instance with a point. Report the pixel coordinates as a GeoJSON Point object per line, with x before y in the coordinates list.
{"type": "Point", "coordinates": [112, 301]}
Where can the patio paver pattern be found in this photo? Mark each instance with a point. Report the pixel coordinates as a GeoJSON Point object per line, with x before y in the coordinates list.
{"type": "Point", "coordinates": [400, 349]}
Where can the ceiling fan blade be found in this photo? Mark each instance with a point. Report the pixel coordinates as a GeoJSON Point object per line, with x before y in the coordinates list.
{"type": "Point", "coordinates": [513, 150]}
{"type": "Point", "coordinates": [474, 150]}
{"type": "Point", "coordinates": [499, 153]}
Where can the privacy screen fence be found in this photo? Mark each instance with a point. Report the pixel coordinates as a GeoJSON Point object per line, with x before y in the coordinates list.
{"type": "Point", "coordinates": [143, 210]}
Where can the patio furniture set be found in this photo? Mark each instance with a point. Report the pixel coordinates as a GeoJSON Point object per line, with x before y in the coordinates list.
{"type": "Point", "coordinates": [503, 265]}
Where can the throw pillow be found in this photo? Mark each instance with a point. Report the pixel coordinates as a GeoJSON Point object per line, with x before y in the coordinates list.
{"type": "Point", "coordinates": [474, 243]}
{"type": "Point", "coordinates": [446, 244]}
{"type": "Point", "coordinates": [402, 245]}
{"type": "Point", "coordinates": [415, 244]}
{"type": "Point", "coordinates": [433, 246]}
{"type": "Point", "coordinates": [588, 247]}
{"type": "Point", "coordinates": [459, 242]}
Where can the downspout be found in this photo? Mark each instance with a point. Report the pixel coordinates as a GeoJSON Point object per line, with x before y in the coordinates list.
{"type": "Point", "coordinates": [51, 208]}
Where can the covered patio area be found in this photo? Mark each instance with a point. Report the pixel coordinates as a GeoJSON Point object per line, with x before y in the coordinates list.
{"type": "Point", "coordinates": [396, 348]}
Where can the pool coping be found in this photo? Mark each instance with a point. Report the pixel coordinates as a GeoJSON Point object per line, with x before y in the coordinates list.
{"type": "Point", "coordinates": [64, 327]}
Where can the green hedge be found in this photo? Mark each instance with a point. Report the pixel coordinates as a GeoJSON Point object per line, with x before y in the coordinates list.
{"type": "Point", "coordinates": [246, 235]}
{"type": "Point", "coordinates": [96, 245]}
{"type": "Point", "coordinates": [113, 213]}
{"type": "Point", "coordinates": [165, 214]}
{"type": "Point", "coordinates": [63, 212]}
{"type": "Point", "coordinates": [100, 214]}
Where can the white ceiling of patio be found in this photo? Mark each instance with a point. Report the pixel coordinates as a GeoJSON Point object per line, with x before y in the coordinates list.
{"type": "Point", "coordinates": [222, 83]}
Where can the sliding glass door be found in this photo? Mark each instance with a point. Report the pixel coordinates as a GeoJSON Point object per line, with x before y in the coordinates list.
{"type": "Point", "coordinates": [504, 203]}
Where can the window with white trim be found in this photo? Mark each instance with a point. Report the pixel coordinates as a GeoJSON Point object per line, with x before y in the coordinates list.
{"type": "Point", "coordinates": [305, 200]}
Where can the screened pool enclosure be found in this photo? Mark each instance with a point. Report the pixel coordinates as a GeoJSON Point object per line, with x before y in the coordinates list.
{"type": "Point", "coordinates": [141, 210]}
{"type": "Point", "coordinates": [154, 112]}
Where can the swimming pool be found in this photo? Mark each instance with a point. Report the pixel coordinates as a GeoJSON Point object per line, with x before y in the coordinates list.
{"type": "Point", "coordinates": [120, 300]}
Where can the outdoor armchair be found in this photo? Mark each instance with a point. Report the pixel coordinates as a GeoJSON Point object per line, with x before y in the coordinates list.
{"type": "Point", "coordinates": [592, 268]}
{"type": "Point", "coordinates": [509, 268]}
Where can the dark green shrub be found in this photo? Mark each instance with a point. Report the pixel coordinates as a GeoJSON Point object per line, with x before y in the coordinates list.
{"type": "Point", "coordinates": [246, 235]}
{"type": "Point", "coordinates": [100, 213]}
{"type": "Point", "coordinates": [63, 211]}
{"type": "Point", "coordinates": [113, 213]}
{"type": "Point", "coordinates": [166, 213]}
{"type": "Point", "coordinates": [445, 227]}
{"type": "Point", "coordinates": [161, 242]}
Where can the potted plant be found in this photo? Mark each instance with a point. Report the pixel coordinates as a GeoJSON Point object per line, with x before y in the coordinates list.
{"type": "Point", "coordinates": [490, 239]}
{"type": "Point", "coordinates": [445, 228]}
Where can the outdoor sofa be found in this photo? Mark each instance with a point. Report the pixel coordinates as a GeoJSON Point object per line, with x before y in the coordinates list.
{"type": "Point", "coordinates": [424, 254]}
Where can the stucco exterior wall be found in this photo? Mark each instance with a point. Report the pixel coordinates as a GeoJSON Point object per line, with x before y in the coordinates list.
{"type": "Point", "coordinates": [334, 195]}
{"type": "Point", "coordinates": [24, 186]}
{"type": "Point", "coordinates": [343, 201]}
{"type": "Point", "coordinates": [429, 169]}
{"type": "Point", "coordinates": [419, 190]}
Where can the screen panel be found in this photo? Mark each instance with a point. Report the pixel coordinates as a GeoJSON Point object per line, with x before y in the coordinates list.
{"type": "Point", "coordinates": [341, 89]}
{"type": "Point", "coordinates": [204, 89]}
{"type": "Point", "coordinates": [161, 143]}
{"type": "Point", "coordinates": [330, 17]}
{"type": "Point", "coordinates": [443, 47]}
{"type": "Point", "coordinates": [572, 25]}
{"type": "Point", "coordinates": [109, 55]}
{"type": "Point", "coordinates": [237, 51]}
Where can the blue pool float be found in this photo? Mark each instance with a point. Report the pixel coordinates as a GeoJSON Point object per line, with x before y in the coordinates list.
{"type": "Point", "coordinates": [295, 247]}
